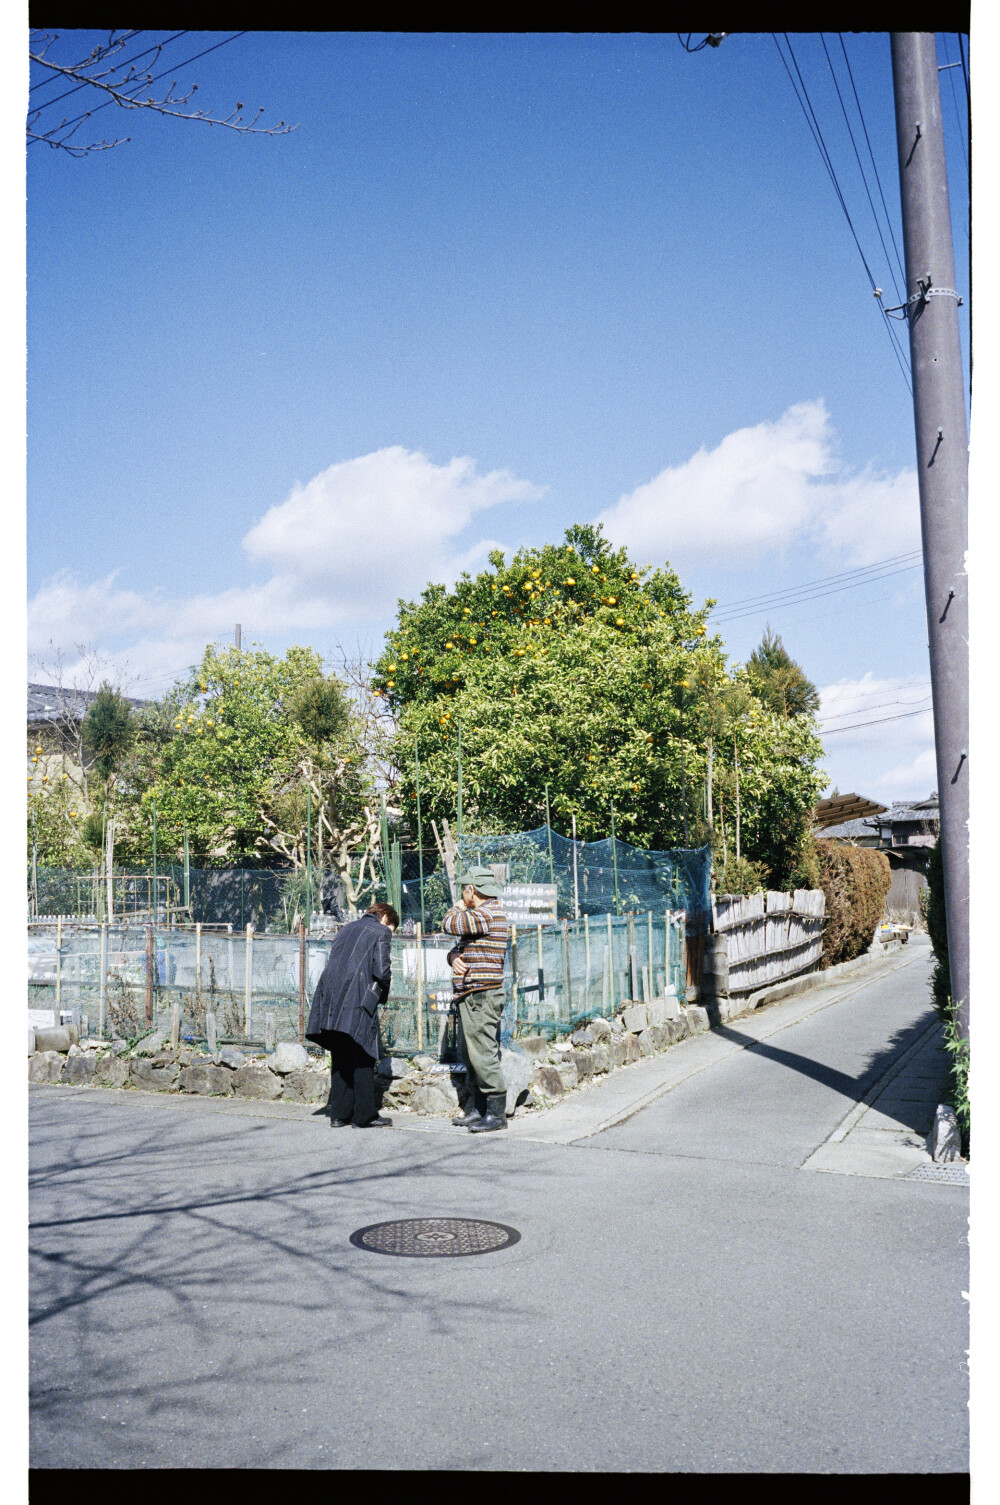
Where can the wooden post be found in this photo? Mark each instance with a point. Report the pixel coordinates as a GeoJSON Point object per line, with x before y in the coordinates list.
{"type": "Point", "coordinates": [150, 958]}
{"type": "Point", "coordinates": [418, 931]}
{"type": "Point", "coordinates": [103, 981]}
{"type": "Point", "coordinates": [58, 971]}
{"type": "Point", "coordinates": [647, 992]}
{"type": "Point", "coordinates": [210, 1036]}
{"type": "Point", "coordinates": [270, 1030]}
{"type": "Point", "coordinates": [302, 983]}
{"type": "Point", "coordinates": [175, 1023]}
{"type": "Point", "coordinates": [249, 983]}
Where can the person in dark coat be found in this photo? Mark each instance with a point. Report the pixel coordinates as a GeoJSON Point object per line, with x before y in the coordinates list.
{"type": "Point", "coordinates": [344, 1015]}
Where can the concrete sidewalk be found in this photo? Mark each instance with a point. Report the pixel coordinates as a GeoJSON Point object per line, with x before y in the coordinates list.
{"type": "Point", "coordinates": [882, 1135]}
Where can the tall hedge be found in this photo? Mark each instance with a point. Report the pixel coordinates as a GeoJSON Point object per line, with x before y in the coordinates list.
{"type": "Point", "coordinates": [855, 881]}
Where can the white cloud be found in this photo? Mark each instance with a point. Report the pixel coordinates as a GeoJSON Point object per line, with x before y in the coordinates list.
{"type": "Point", "coordinates": [342, 549]}
{"type": "Point", "coordinates": [770, 487]}
{"type": "Point", "coordinates": [878, 736]}
{"type": "Point", "coordinates": [382, 525]}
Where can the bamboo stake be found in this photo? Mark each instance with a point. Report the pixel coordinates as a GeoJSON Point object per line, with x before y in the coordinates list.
{"type": "Point", "coordinates": [103, 984]}
{"type": "Point", "coordinates": [418, 928]}
{"type": "Point", "coordinates": [611, 960]}
{"type": "Point", "coordinates": [58, 971]}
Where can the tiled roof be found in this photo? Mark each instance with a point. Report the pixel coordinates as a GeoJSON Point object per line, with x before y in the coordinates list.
{"type": "Point", "coordinates": [49, 703]}
{"type": "Point", "coordinates": [851, 830]}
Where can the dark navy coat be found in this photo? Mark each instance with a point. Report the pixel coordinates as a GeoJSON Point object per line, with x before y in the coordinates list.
{"type": "Point", "coordinates": [355, 981]}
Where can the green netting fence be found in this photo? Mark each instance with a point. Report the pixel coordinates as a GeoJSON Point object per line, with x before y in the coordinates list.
{"type": "Point", "coordinates": [126, 978]}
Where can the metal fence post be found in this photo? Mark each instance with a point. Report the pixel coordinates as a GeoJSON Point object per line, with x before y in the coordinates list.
{"type": "Point", "coordinates": [649, 927]}
{"type": "Point", "coordinates": [197, 966]}
{"type": "Point", "coordinates": [58, 971]}
{"type": "Point", "coordinates": [302, 983]}
{"type": "Point", "coordinates": [566, 969]}
{"type": "Point", "coordinates": [611, 960]}
{"type": "Point", "coordinates": [418, 932]}
{"type": "Point", "coordinates": [102, 981]}
{"type": "Point", "coordinates": [149, 974]}
{"type": "Point", "coordinates": [249, 982]}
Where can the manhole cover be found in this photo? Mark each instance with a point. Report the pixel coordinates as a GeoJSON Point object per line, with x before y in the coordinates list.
{"type": "Point", "coordinates": [435, 1236]}
{"type": "Point", "coordinates": [958, 1175]}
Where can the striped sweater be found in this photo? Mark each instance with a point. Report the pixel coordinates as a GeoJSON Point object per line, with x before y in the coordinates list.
{"type": "Point", "coordinates": [484, 957]}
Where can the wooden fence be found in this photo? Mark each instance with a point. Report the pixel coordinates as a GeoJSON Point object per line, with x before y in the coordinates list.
{"type": "Point", "coordinates": [770, 936]}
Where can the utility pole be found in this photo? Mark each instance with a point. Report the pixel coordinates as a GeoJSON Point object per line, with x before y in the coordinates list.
{"type": "Point", "coordinates": [942, 462]}
{"type": "Point", "coordinates": [238, 639]}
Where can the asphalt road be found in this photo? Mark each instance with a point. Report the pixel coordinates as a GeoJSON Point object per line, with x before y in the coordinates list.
{"type": "Point", "coordinates": [684, 1296]}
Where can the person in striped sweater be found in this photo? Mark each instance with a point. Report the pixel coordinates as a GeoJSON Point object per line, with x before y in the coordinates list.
{"type": "Point", "coordinates": [478, 919]}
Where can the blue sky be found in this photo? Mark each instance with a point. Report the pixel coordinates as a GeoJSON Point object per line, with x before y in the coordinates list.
{"type": "Point", "coordinates": [489, 286]}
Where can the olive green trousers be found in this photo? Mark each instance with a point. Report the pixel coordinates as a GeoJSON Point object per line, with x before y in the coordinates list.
{"type": "Point", "coordinates": [480, 1042]}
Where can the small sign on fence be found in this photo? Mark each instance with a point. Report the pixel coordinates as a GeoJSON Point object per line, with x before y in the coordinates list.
{"type": "Point", "coordinates": [530, 903]}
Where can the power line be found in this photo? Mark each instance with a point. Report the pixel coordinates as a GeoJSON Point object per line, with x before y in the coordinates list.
{"type": "Point", "coordinates": [823, 580]}
{"type": "Point", "coordinates": [878, 180]}
{"type": "Point", "coordinates": [922, 703]}
{"type": "Point", "coordinates": [53, 78]}
{"type": "Point", "coordinates": [805, 104]}
{"type": "Point", "coordinates": [864, 179]}
{"type": "Point", "coordinates": [90, 82]}
{"type": "Point", "coordinates": [87, 113]}
{"type": "Point", "coordinates": [878, 722]}
{"type": "Point", "coordinates": [815, 595]}
{"type": "Point", "coordinates": [965, 65]}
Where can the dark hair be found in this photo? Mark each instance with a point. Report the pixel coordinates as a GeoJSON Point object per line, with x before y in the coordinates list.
{"type": "Point", "coordinates": [384, 912]}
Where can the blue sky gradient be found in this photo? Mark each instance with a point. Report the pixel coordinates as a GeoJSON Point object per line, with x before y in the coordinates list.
{"type": "Point", "coordinates": [574, 261]}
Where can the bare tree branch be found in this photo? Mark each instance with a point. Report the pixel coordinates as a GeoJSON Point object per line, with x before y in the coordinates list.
{"type": "Point", "coordinates": [126, 92]}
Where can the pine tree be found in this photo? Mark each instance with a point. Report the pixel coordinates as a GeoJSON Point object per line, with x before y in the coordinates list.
{"type": "Point", "coordinates": [779, 681]}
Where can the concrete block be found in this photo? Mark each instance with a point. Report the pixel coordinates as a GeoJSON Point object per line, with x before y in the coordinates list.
{"type": "Point", "coordinates": [583, 1060]}
{"type": "Point", "coordinates": [657, 1011]}
{"type": "Point", "coordinates": [152, 1044]}
{"type": "Point", "coordinates": [632, 1051]}
{"type": "Point", "coordinates": [617, 1050]}
{"type": "Point", "coordinates": [671, 1006]}
{"type": "Point", "coordinates": [60, 1038]}
{"type": "Point", "coordinates": [602, 1058]}
{"type": "Point", "coordinates": [635, 1018]}
{"type": "Point", "coordinates": [31, 1040]}
{"type": "Point", "coordinates": [697, 1019]}
{"type": "Point", "coordinates": [517, 1071]}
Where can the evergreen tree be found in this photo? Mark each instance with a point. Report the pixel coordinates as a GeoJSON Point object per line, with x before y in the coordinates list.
{"type": "Point", "coordinates": [779, 681]}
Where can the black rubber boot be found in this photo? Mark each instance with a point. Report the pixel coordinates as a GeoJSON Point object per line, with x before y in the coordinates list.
{"type": "Point", "coordinates": [473, 1110]}
{"type": "Point", "coordinates": [496, 1114]}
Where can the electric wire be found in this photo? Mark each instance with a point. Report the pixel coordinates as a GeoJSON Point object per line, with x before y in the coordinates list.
{"type": "Point", "coordinates": [155, 79]}
{"type": "Point", "coordinates": [861, 170]}
{"type": "Point", "coordinates": [958, 116]}
{"type": "Point", "coordinates": [37, 109]}
{"type": "Point", "coordinates": [878, 180]}
{"type": "Point", "coordinates": [965, 65]}
{"type": "Point", "coordinates": [884, 705]}
{"type": "Point", "coordinates": [877, 722]}
{"type": "Point", "coordinates": [815, 595]}
{"type": "Point", "coordinates": [823, 580]}
{"type": "Point", "coordinates": [805, 104]}
{"type": "Point", "coordinates": [53, 78]}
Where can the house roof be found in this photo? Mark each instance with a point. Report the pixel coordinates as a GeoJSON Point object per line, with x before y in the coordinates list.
{"type": "Point", "coordinates": [52, 703]}
{"type": "Point", "coordinates": [843, 807]}
{"type": "Point", "coordinates": [851, 830]}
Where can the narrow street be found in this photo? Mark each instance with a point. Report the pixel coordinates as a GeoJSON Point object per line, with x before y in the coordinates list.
{"type": "Point", "coordinates": [688, 1294]}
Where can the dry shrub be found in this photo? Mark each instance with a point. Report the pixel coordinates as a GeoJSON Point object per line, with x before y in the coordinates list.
{"type": "Point", "coordinates": [855, 881]}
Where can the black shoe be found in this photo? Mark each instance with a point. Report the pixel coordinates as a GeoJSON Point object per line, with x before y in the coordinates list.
{"type": "Point", "coordinates": [375, 1123]}
{"type": "Point", "coordinates": [475, 1107]}
{"type": "Point", "coordinates": [340, 1123]}
{"type": "Point", "coordinates": [496, 1114]}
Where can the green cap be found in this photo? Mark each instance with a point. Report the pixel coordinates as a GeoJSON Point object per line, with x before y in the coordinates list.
{"type": "Point", "coordinates": [483, 879]}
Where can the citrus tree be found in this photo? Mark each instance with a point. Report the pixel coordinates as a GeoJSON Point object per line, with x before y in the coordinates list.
{"type": "Point", "coordinates": [573, 668]}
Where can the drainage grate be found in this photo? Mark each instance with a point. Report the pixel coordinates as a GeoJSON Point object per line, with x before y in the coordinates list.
{"type": "Point", "coordinates": [435, 1236]}
{"type": "Point", "coordinates": [957, 1174]}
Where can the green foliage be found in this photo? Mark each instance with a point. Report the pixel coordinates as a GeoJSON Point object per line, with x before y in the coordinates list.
{"type": "Point", "coordinates": [957, 1047]}
{"type": "Point", "coordinates": [55, 819]}
{"type": "Point", "coordinates": [245, 732]}
{"type": "Point", "coordinates": [855, 881]}
{"type": "Point", "coordinates": [779, 680]}
{"type": "Point", "coordinates": [740, 877]}
{"type": "Point", "coordinates": [572, 667]}
{"type": "Point", "coordinates": [109, 729]}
